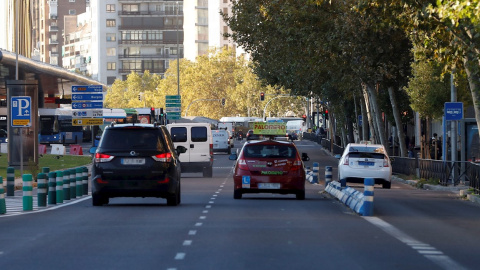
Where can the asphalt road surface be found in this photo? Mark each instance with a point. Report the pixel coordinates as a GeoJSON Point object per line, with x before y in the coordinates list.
{"type": "Point", "coordinates": [410, 229]}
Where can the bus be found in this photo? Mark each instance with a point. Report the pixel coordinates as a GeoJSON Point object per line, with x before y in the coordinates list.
{"type": "Point", "coordinates": [55, 126]}
{"type": "Point", "coordinates": [239, 123]}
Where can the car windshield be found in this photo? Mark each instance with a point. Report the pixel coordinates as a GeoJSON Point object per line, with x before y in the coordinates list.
{"type": "Point", "coordinates": [269, 151]}
{"type": "Point", "coordinates": [132, 139]}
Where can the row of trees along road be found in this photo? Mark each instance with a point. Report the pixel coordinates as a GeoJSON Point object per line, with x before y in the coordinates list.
{"type": "Point", "coordinates": [203, 84]}
{"type": "Point", "coordinates": [365, 56]}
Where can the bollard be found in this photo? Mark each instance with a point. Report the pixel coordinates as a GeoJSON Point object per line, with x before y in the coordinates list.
{"type": "Point", "coordinates": [368, 197]}
{"type": "Point", "coordinates": [316, 167]}
{"type": "Point", "coordinates": [3, 205]}
{"type": "Point", "coordinates": [328, 175]}
{"type": "Point", "coordinates": [78, 176]}
{"type": "Point", "coordinates": [10, 181]}
{"type": "Point", "coordinates": [59, 187]}
{"type": "Point", "coordinates": [66, 185]}
{"type": "Point", "coordinates": [73, 184]}
{"type": "Point", "coordinates": [51, 188]}
{"type": "Point", "coordinates": [27, 192]}
{"type": "Point", "coordinates": [85, 180]}
{"type": "Point", "coordinates": [45, 170]}
{"type": "Point", "coordinates": [41, 189]}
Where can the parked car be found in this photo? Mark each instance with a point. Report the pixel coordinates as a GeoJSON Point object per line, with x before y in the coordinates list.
{"type": "Point", "coordinates": [360, 161]}
{"type": "Point", "coordinates": [221, 141]}
{"type": "Point", "coordinates": [197, 138]}
{"type": "Point", "coordinates": [136, 160]}
{"type": "Point", "coordinates": [269, 166]}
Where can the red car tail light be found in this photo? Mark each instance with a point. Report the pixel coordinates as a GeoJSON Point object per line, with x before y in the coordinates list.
{"type": "Point", "coordinates": [163, 157]}
{"type": "Point", "coordinates": [101, 181]}
{"type": "Point", "coordinates": [164, 181]}
{"type": "Point", "coordinates": [297, 164]}
{"type": "Point", "coordinates": [242, 164]}
{"type": "Point", "coordinates": [99, 157]}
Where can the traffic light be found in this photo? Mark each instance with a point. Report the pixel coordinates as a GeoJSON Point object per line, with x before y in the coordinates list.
{"type": "Point", "coordinates": [326, 114]}
{"type": "Point", "coordinates": [161, 112]}
{"type": "Point", "coordinates": [304, 118]}
{"type": "Point", "coordinates": [262, 96]}
{"type": "Point", "coordinates": [152, 115]}
{"type": "Point", "coordinates": [223, 102]}
{"type": "Point", "coordinates": [139, 97]}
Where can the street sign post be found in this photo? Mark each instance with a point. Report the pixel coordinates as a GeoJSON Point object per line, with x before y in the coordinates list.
{"type": "Point", "coordinates": [87, 105]}
{"type": "Point", "coordinates": [21, 111]}
{"type": "Point", "coordinates": [87, 97]}
{"type": "Point", "coordinates": [87, 113]}
{"type": "Point", "coordinates": [87, 88]}
{"type": "Point", "coordinates": [453, 111]}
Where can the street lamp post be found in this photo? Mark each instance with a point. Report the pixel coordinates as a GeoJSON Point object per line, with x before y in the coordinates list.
{"type": "Point", "coordinates": [178, 57]}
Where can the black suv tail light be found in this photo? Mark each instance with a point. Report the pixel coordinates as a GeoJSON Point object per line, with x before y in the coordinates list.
{"type": "Point", "coordinates": [103, 157]}
{"type": "Point", "coordinates": [163, 157]}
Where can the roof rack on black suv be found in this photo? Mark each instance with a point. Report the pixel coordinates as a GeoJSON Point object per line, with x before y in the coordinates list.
{"type": "Point", "coordinates": [136, 161]}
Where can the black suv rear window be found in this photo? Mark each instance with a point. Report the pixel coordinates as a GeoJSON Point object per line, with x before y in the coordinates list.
{"type": "Point", "coordinates": [269, 151]}
{"type": "Point", "coordinates": [133, 139]}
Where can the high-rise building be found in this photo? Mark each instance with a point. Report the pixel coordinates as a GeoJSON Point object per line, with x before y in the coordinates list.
{"type": "Point", "coordinates": [134, 36]}
{"type": "Point", "coordinates": [9, 26]}
{"type": "Point", "coordinates": [48, 25]}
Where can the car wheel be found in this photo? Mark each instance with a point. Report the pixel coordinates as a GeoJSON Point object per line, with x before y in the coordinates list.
{"type": "Point", "coordinates": [174, 200]}
{"type": "Point", "coordinates": [208, 172]}
{"type": "Point", "coordinates": [300, 195]}
{"type": "Point", "coordinates": [387, 185]}
{"type": "Point", "coordinates": [98, 200]}
{"type": "Point", "coordinates": [237, 194]}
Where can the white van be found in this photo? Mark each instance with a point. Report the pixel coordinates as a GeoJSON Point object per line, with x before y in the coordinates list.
{"type": "Point", "coordinates": [197, 138]}
{"type": "Point", "coordinates": [221, 141]}
{"type": "Point", "coordinates": [296, 126]}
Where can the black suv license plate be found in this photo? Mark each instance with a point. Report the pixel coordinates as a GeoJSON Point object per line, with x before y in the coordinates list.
{"type": "Point", "coordinates": [133, 161]}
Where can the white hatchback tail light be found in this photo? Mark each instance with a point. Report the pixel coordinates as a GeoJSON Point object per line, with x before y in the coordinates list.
{"type": "Point", "coordinates": [345, 162]}
{"type": "Point", "coordinates": [385, 162]}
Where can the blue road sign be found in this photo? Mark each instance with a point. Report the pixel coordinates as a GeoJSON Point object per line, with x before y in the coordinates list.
{"type": "Point", "coordinates": [87, 97]}
{"type": "Point", "coordinates": [87, 105]}
{"type": "Point", "coordinates": [87, 88]}
{"type": "Point", "coordinates": [21, 111]}
{"type": "Point", "coordinates": [453, 111]}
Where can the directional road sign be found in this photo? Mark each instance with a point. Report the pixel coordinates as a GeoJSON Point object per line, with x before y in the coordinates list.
{"type": "Point", "coordinates": [87, 113]}
{"type": "Point", "coordinates": [87, 97]}
{"type": "Point", "coordinates": [87, 88]}
{"type": "Point", "coordinates": [87, 122]}
{"type": "Point", "coordinates": [20, 111]}
{"type": "Point", "coordinates": [173, 109]}
{"type": "Point", "coordinates": [87, 105]}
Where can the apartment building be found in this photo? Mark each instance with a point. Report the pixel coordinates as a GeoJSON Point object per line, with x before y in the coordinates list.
{"type": "Point", "coordinates": [48, 25]}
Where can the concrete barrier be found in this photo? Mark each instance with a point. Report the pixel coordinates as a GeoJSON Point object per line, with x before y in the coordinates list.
{"type": "Point", "coordinates": [78, 178]}
{"type": "Point", "coordinates": [328, 175]}
{"type": "Point", "coordinates": [59, 187]}
{"type": "Point", "coordinates": [85, 180]}
{"type": "Point", "coordinates": [27, 192]}
{"type": "Point", "coordinates": [42, 190]}
{"type": "Point", "coordinates": [361, 203]}
{"type": "Point", "coordinates": [52, 184]}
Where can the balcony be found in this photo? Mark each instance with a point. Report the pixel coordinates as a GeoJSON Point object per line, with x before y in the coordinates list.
{"type": "Point", "coordinates": [150, 27]}
{"type": "Point", "coordinates": [53, 28]}
{"type": "Point", "coordinates": [149, 13]}
{"type": "Point", "coordinates": [148, 56]}
{"type": "Point", "coordinates": [150, 42]}
{"type": "Point", "coordinates": [128, 71]}
{"type": "Point", "coordinates": [52, 41]}
{"type": "Point", "coordinates": [53, 54]}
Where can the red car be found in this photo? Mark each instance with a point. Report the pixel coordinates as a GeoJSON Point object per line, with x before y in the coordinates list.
{"type": "Point", "coordinates": [269, 167]}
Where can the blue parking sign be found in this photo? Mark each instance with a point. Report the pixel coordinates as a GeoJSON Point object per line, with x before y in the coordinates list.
{"type": "Point", "coordinates": [21, 111]}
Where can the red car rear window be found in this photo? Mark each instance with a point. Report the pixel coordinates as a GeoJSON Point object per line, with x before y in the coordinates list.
{"type": "Point", "coordinates": [269, 151]}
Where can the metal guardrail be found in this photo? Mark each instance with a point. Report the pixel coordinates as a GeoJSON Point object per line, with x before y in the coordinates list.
{"type": "Point", "coordinates": [447, 172]}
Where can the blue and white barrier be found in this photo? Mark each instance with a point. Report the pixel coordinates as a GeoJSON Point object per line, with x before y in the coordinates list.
{"type": "Point", "coordinates": [328, 175]}
{"type": "Point", "coordinates": [312, 176]}
{"type": "Point", "coordinates": [361, 203]}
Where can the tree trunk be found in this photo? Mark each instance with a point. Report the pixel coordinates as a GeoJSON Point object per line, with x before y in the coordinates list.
{"type": "Point", "coordinates": [473, 81]}
{"type": "Point", "coordinates": [369, 116]}
{"type": "Point", "coordinates": [398, 123]}
{"type": "Point", "coordinates": [365, 123]}
{"type": "Point", "coordinates": [378, 115]}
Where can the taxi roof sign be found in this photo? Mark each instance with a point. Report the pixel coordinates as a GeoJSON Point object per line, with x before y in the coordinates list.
{"type": "Point", "coordinates": [269, 128]}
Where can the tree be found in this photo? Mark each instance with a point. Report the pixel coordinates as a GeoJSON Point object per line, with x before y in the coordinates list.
{"type": "Point", "coordinates": [125, 94]}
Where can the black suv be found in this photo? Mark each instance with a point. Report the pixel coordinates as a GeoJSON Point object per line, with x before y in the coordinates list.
{"type": "Point", "coordinates": [136, 160]}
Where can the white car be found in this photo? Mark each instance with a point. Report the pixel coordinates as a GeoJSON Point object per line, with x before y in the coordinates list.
{"type": "Point", "coordinates": [360, 161]}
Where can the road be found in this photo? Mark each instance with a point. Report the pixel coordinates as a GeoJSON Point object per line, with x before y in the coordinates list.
{"type": "Point", "coordinates": [410, 229]}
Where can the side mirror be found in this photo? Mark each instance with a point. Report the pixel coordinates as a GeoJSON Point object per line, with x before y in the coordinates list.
{"type": "Point", "coordinates": [233, 156]}
{"type": "Point", "coordinates": [338, 156]}
{"type": "Point", "coordinates": [93, 150]}
{"type": "Point", "coordinates": [305, 157]}
{"type": "Point", "coordinates": [181, 149]}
